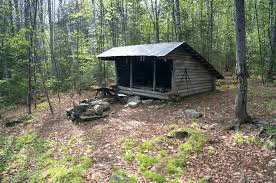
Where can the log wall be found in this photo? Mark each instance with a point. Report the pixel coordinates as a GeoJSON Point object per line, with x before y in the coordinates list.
{"type": "Point", "coordinates": [189, 75]}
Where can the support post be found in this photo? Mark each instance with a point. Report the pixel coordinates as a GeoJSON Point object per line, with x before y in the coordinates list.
{"type": "Point", "coordinates": [154, 74]}
{"type": "Point", "coordinates": [173, 87]}
{"type": "Point", "coordinates": [131, 75]}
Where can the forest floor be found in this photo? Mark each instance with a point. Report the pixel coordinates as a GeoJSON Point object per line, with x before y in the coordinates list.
{"type": "Point", "coordinates": [132, 146]}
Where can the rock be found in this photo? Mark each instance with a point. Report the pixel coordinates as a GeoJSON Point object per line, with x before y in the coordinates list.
{"type": "Point", "coordinates": [133, 104]}
{"type": "Point", "coordinates": [89, 112]}
{"type": "Point", "coordinates": [98, 109]}
{"type": "Point", "coordinates": [108, 99]}
{"type": "Point", "coordinates": [83, 106]}
{"type": "Point", "coordinates": [133, 99]}
{"type": "Point", "coordinates": [114, 114]}
{"type": "Point", "coordinates": [89, 118]}
{"type": "Point", "coordinates": [86, 101]}
{"type": "Point", "coordinates": [69, 111]}
{"type": "Point", "coordinates": [147, 102]}
{"type": "Point", "coordinates": [72, 117]}
{"type": "Point", "coordinates": [96, 102]}
{"type": "Point", "coordinates": [214, 126]}
{"type": "Point", "coordinates": [273, 114]}
{"type": "Point", "coordinates": [192, 114]}
{"type": "Point", "coordinates": [122, 95]}
{"type": "Point", "coordinates": [106, 106]}
{"type": "Point", "coordinates": [181, 134]}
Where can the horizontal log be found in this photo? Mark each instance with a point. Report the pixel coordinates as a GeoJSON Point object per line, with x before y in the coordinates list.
{"type": "Point", "coordinates": [141, 93]}
{"type": "Point", "coordinates": [194, 92]}
{"type": "Point", "coordinates": [191, 87]}
{"type": "Point", "coordinates": [190, 66]}
{"type": "Point", "coordinates": [191, 84]}
{"type": "Point", "coordinates": [179, 79]}
{"type": "Point", "coordinates": [190, 72]}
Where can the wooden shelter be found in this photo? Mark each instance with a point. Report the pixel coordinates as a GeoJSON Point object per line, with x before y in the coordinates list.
{"type": "Point", "coordinates": [164, 70]}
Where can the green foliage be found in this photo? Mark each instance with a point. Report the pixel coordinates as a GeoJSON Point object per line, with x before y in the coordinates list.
{"type": "Point", "coordinates": [238, 138]}
{"type": "Point", "coordinates": [173, 127]}
{"type": "Point", "coordinates": [196, 140]}
{"type": "Point", "coordinates": [126, 150]}
{"type": "Point", "coordinates": [128, 156]}
{"type": "Point", "coordinates": [171, 168]}
{"type": "Point", "coordinates": [162, 152]}
{"type": "Point", "coordinates": [271, 128]}
{"type": "Point", "coordinates": [154, 176]}
{"type": "Point", "coordinates": [147, 145]}
{"type": "Point", "coordinates": [120, 176]}
{"type": "Point", "coordinates": [173, 181]}
{"type": "Point", "coordinates": [185, 147]}
{"type": "Point", "coordinates": [33, 159]}
{"type": "Point", "coordinates": [200, 180]}
{"type": "Point", "coordinates": [146, 160]}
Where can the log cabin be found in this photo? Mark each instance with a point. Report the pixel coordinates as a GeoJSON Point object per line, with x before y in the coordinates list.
{"type": "Point", "coordinates": [166, 71]}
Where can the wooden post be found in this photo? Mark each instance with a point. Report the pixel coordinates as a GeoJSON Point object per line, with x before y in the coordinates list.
{"type": "Point", "coordinates": [131, 75]}
{"type": "Point", "coordinates": [154, 74]}
{"type": "Point", "coordinates": [116, 73]}
{"type": "Point", "coordinates": [173, 76]}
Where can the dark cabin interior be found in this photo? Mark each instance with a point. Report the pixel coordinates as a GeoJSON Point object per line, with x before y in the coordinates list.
{"type": "Point", "coordinates": [142, 73]}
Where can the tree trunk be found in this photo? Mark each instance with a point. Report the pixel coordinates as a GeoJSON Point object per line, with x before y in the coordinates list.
{"type": "Point", "coordinates": [27, 12]}
{"type": "Point", "coordinates": [52, 44]}
{"type": "Point", "coordinates": [261, 65]}
{"type": "Point", "coordinates": [272, 48]}
{"type": "Point", "coordinates": [156, 20]}
{"type": "Point", "coordinates": [177, 20]}
{"type": "Point", "coordinates": [241, 66]}
{"type": "Point", "coordinates": [209, 12]}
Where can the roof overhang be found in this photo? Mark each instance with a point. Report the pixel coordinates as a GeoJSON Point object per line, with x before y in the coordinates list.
{"type": "Point", "coordinates": [156, 50]}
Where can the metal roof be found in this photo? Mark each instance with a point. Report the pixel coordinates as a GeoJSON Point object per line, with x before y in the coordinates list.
{"type": "Point", "coordinates": [158, 50]}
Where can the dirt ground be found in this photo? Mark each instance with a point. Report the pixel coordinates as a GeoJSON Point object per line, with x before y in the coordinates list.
{"type": "Point", "coordinates": [232, 162]}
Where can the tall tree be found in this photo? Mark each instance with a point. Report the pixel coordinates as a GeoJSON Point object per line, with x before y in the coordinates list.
{"type": "Point", "coordinates": [241, 66]}
{"type": "Point", "coordinates": [272, 38]}
{"type": "Point", "coordinates": [209, 11]}
{"type": "Point", "coordinates": [52, 45]}
{"type": "Point", "coordinates": [177, 21]}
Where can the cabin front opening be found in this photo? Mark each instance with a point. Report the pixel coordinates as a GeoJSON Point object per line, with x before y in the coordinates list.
{"type": "Point", "coordinates": [145, 73]}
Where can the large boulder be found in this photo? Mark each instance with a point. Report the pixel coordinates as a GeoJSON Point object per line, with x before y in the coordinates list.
{"type": "Point", "coordinates": [133, 104]}
{"type": "Point", "coordinates": [96, 102]}
{"type": "Point", "coordinates": [147, 102]}
{"type": "Point", "coordinates": [192, 114]}
{"type": "Point", "coordinates": [69, 111]}
{"type": "Point", "coordinates": [89, 112]}
{"type": "Point", "coordinates": [133, 99]}
{"type": "Point", "coordinates": [181, 134]}
{"type": "Point", "coordinates": [98, 109]}
{"type": "Point", "coordinates": [106, 106]}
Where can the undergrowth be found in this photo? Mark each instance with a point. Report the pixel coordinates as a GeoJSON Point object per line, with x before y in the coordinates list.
{"type": "Point", "coordinates": [28, 157]}
{"type": "Point", "coordinates": [154, 161]}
